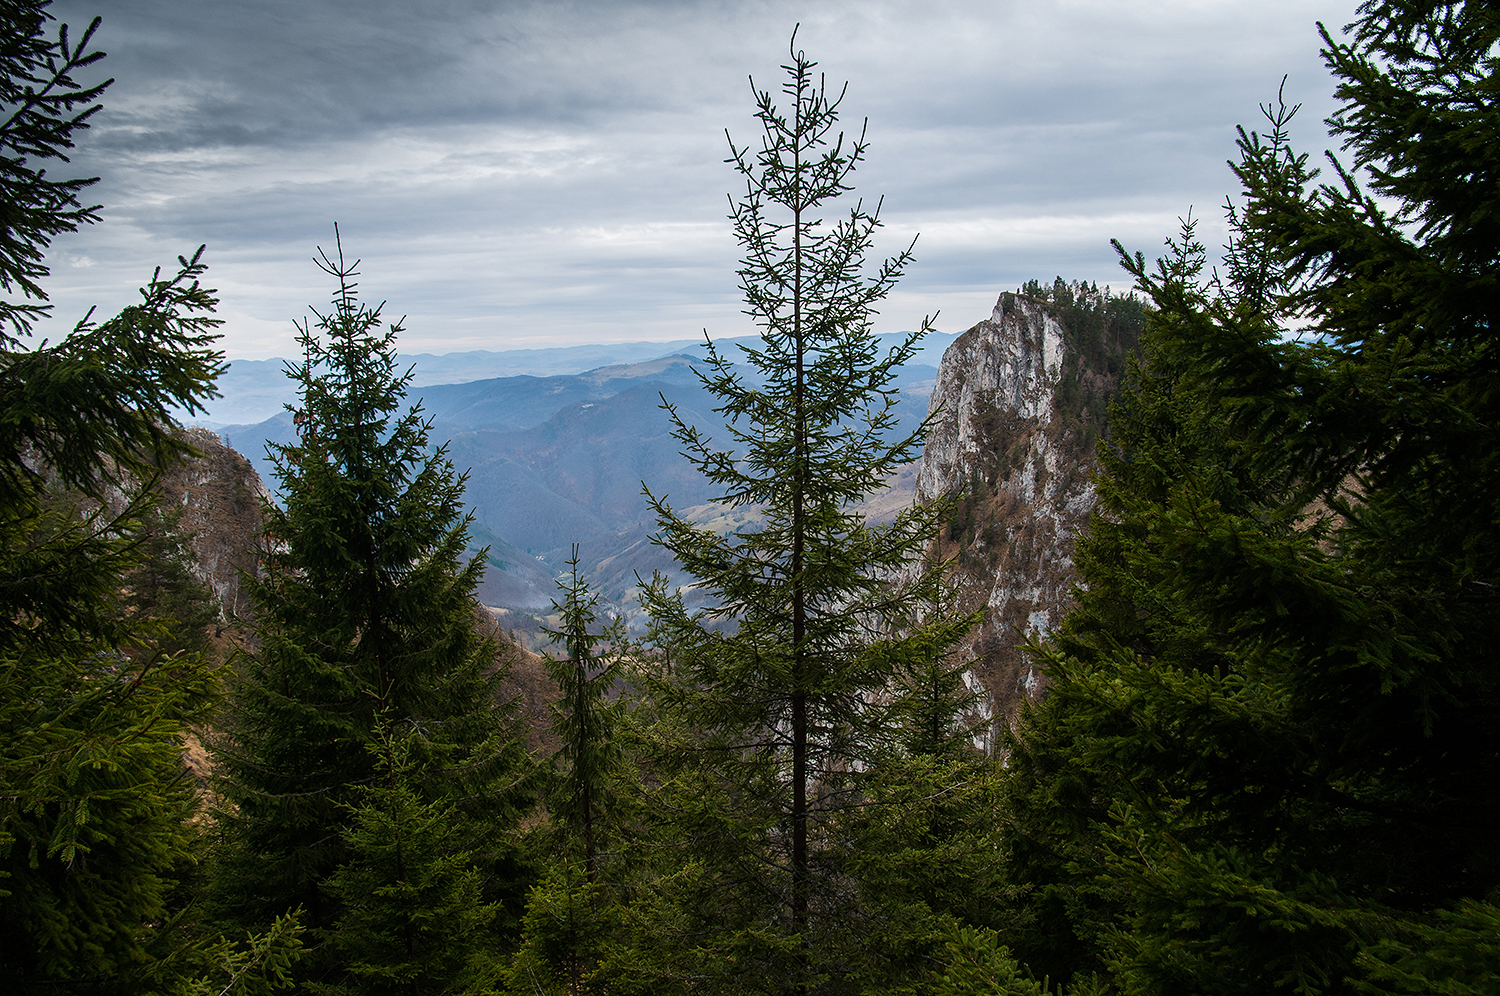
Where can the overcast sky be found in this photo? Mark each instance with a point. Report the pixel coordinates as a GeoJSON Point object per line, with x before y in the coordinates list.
{"type": "Point", "coordinates": [532, 174]}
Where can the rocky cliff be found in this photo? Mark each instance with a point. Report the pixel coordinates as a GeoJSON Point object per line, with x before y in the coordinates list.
{"type": "Point", "coordinates": [1022, 398]}
{"type": "Point", "coordinates": [219, 494]}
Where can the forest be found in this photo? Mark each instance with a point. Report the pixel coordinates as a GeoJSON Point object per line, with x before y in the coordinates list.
{"type": "Point", "coordinates": [1267, 760]}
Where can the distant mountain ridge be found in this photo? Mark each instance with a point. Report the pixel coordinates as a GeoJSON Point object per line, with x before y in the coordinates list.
{"type": "Point", "coordinates": [561, 459]}
{"type": "Point", "coordinates": [256, 390]}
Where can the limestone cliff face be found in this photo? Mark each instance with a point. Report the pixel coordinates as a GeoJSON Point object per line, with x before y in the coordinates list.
{"type": "Point", "coordinates": [1020, 396]}
{"type": "Point", "coordinates": [219, 494]}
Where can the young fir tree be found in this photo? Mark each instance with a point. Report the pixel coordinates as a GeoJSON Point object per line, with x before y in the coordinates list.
{"type": "Point", "coordinates": [585, 721]}
{"type": "Point", "coordinates": [919, 852]}
{"type": "Point", "coordinates": [364, 616]}
{"type": "Point", "coordinates": [569, 914]}
{"type": "Point", "coordinates": [775, 680]}
{"type": "Point", "coordinates": [1268, 761]}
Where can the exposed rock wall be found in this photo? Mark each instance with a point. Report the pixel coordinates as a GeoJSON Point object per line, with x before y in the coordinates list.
{"type": "Point", "coordinates": [1017, 451]}
{"type": "Point", "coordinates": [219, 494]}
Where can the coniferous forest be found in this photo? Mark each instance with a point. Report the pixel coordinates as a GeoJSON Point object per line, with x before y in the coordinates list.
{"type": "Point", "coordinates": [1267, 759]}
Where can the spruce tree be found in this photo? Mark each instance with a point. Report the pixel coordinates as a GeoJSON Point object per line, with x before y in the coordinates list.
{"type": "Point", "coordinates": [44, 106]}
{"type": "Point", "coordinates": [570, 914]}
{"type": "Point", "coordinates": [775, 679]}
{"type": "Point", "coordinates": [416, 921]}
{"type": "Point", "coordinates": [919, 851]}
{"type": "Point", "coordinates": [97, 814]}
{"type": "Point", "coordinates": [585, 722]}
{"type": "Point", "coordinates": [1268, 761]}
{"type": "Point", "coordinates": [364, 621]}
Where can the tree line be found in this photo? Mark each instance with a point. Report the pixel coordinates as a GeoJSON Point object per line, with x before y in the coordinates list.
{"type": "Point", "coordinates": [1266, 761]}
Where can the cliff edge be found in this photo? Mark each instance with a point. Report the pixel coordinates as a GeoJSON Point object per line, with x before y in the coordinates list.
{"type": "Point", "coordinates": [1022, 399]}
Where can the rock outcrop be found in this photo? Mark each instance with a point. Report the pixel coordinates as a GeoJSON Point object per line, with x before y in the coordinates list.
{"type": "Point", "coordinates": [219, 494]}
{"type": "Point", "coordinates": [1022, 397]}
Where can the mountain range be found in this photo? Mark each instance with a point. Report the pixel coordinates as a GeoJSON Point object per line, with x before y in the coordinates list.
{"type": "Point", "coordinates": [255, 390]}
{"type": "Point", "coordinates": [561, 458]}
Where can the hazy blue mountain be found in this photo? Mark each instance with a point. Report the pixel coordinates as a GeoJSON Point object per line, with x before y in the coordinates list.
{"type": "Point", "coordinates": [525, 401]}
{"type": "Point", "coordinates": [479, 364]}
{"type": "Point", "coordinates": [513, 578]}
{"type": "Point", "coordinates": [552, 461]}
{"type": "Point", "coordinates": [559, 459]}
{"type": "Point", "coordinates": [255, 390]}
{"type": "Point", "coordinates": [501, 403]}
{"type": "Point", "coordinates": [577, 477]}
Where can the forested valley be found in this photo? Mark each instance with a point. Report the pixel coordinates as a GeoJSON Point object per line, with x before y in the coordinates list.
{"type": "Point", "coordinates": [1262, 753]}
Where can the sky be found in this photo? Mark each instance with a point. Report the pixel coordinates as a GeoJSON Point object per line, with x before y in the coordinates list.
{"type": "Point", "coordinates": [532, 174]}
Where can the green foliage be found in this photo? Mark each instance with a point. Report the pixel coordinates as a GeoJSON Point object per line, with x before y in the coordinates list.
{"type": "Point", "coordinates": [977, 964]}
{"type": "Point", "coordinates": [365, 620]}
{"type": "Point", "coordinates": [934, 710]}
{"type": "Point", "coordinates": [96, 811]}
{"type": "Point", "coordinates": [40, 101]}
{"type": "Point", "coordinates": [259, 966]}
{"type": "Point", "coordinates": [566, 931]}
{"type": "Point", "coordinates": [571, 918]}
{"type": "Point", "coordinates": [585, 722]}
{"type": "Point", "coordinates": [96, 410]}
{"type": "Point", "coordinates": [416, 920]}
{"type": "Point", "coordinates": [1100, 332]}
{"type": "Point", "coordinates": [919, 856]}
{"type": "Point", "coordinates": [1268, 759]}
{"type": "Point", "coordinates": [774, 679]}
{"type": "Point", "coordinates": [1453, 953]}
{"type": "Point", "coordinates": [162, 587]}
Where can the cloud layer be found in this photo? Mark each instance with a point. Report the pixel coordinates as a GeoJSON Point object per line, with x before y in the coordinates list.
{"type": "Point", "coordinates": [529, 174]}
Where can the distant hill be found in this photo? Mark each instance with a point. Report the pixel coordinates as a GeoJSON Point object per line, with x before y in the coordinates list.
{"type": "Point", "coordinates": [497, 404]}
{"type": "Point", "coordinates": [560, 459]}
{"type": "Point", "coordinates": [255, 390]}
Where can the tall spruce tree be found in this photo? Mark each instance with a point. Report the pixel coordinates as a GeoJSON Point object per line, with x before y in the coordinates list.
{"type": "Point", "coordinates": [365, 622]}
{"type": "Point", "coordinates": [96, 810]}
{"type": "Point", "coordinates": [776, 679]}
{"type": "Point", "coordinates": [1269, 760]}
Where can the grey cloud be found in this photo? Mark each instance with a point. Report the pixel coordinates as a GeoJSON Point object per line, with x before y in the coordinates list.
{"type": "Point", "coordinates": [512, 170]}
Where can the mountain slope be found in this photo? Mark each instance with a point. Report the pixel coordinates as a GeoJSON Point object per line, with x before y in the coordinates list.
{"type": "Point", "coordinates": [577, 477]}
